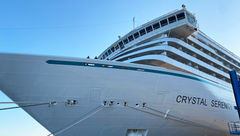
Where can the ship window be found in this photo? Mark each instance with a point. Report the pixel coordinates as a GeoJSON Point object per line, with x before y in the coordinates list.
{"type": "Point", "coordinates": [172, 19]}
{"type": "Point", "coordinates": [191, 18]}
{"type": "Point", "coordinates": [180, 16]}
{"type": "Point", "coordinates": [121, 46]}
{"type": "Point", "coordinates": [120, 43]}
{"type": "Point", "coordinates": [112, 49]}
{"type": "Point", "coordinates": [156, 26]}
{"type": "Point", "coordinates": [149, 29]}
{"type": "Point", "coordinates": [164, 22]}
{"type": "Point", "coordinates": [130, 38]}
{"type": "Point", "coordinates": [116, 46]}
{"type": "Point", "coordinates": [109, 52]}
{"type": "Point", "coordinates": [103, 56]}
{"type": "Point", "coordinates": [106, 54]}
{"type": "Point", "coordinates": [125, 41]}
{"type": "Point", "coordinates": [136, 35]}
{"type": "Point", "coordinates": [142, 32]}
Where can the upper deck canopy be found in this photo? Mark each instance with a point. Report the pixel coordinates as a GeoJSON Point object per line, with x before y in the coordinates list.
{"type": "Point", "coordinates": [179, 23]}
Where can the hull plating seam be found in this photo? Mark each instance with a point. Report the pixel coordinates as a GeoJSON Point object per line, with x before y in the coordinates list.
{"type": "Point", "coordinates": [75, 63]}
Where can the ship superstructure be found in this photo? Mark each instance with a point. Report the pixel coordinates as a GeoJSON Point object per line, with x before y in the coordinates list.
{"type": "Point", "coordinates": [165, 77]}
{"type": "Point", "coordinates": [174, 41]}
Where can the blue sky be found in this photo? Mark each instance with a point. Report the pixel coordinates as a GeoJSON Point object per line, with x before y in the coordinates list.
{"type": "Point", "coordinates": [78, 28]}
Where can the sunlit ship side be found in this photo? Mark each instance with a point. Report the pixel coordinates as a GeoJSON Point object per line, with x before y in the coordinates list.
{"type": "Point", "coordinates": [165, 77]}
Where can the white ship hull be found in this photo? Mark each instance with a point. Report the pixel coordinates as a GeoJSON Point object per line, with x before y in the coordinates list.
{"type": "Point", "coordinates": [28, 78]}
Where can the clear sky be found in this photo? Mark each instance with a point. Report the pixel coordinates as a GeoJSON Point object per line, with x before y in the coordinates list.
{"type": "Point", "coordinates": [78, 28]}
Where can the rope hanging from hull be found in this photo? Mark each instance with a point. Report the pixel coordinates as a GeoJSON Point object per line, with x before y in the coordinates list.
{"type": "Point", "coordinates": [145, 109]}
{"type": "Point", "coordinates": [79, 121]}
{"type": "Point", "coordinates": [168, 116]}
{"type": "Point", "coordinates": [28, 104]}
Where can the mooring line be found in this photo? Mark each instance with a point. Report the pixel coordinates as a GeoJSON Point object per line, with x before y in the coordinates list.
{"type": "Point", "coordinates": [82, 119]}
{"type": "Point", "coordinates": [23, 106]}
{"type": "Point", "coordinates": [25, 102]}
{"type": "Point", "coordinates": [171, 117]}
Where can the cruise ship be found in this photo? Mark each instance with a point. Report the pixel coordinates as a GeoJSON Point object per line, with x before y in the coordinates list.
{"type": "Point", "coordinates": [165, 77]}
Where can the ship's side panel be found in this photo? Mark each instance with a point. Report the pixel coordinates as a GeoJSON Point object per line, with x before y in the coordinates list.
{"type": "Point", "coordinates": [111, 100]}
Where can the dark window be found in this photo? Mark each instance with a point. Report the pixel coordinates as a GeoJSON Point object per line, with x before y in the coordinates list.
{"type": "Point", "coordinates": [106, 54]}
{"type": "Point", "coordinates": [156, 26]}
{"type": "Point", "coordinates": [121, 46]}
{"type": "Point", "coordinates": [103, 56]}
{"type": "Point", "coordinates": [120, 43]}
{"type": "Point", "coordinates": [116, 46]}
{"type": "Point", "coordinates": [130, 38]}
{"type": "Point", "coordinates": [125, 41]}
{"type": "Point", "coordinates": [164, 22]}
{"type": "Point", "coordinates": [136, 35]}
{"type": "Point", "coordinates": [172, 19]}
{"type": "Point", "coordinates": [149, 29]}
{"type": "Point", "coordinates": [112, 49]}
{"type": "Point", "coordinates": [180, 16]}
{"type": "Point", "coordinates": [109, 52]}
{"type": "Point", "coordinates": [142, 32]}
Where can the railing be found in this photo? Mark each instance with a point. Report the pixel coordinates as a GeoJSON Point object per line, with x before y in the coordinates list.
{"type": "Point", "coordinates": [234, 128]}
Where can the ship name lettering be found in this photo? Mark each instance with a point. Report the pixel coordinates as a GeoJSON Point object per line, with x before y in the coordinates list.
{"type": "Point", "coordinates": [191, 100]}
{"type": "Point", "coordinates": [220, 104]}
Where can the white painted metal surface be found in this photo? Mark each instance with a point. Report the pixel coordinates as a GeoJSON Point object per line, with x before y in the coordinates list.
{"type": "Point", "coordinates": [152, 99]}
{"type": "Point", "coordinates": [108, 98]}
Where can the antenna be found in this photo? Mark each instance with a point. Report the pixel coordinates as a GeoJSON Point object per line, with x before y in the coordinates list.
{"type": "Point", "coordinates": [133, 22]}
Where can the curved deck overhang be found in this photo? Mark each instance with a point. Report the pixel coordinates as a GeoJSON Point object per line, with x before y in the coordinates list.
{"type": "Point", "coordinates": [182, 43]}
{"type": "Point", "coordinates": [212, 51]}
{"type": "Point", "coordinates": [165, 47]}
{"type": "Point", "coordinates": [167, 60]}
